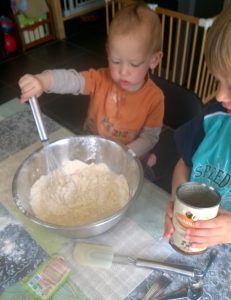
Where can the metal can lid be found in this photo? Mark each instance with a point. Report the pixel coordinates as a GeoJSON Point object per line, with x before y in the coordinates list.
{"type": "Point", "coordinates": [198, 195]}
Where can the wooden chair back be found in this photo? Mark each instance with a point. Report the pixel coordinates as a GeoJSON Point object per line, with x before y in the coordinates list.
{"type": "Point", "coordinates": [183, 44]}
{"type": "Point", "coordinates": [111, 7]}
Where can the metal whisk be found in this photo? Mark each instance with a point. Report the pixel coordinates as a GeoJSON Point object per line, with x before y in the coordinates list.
{"type": "Point", "coordinates": [63, 183]}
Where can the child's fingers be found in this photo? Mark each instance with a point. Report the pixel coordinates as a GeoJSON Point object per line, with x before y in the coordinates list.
{"type": "Point", "coordinates": [30, 87]}
{"type": "Point", "coordinates": [169, 228]}
{"type": "Point", "coordinates": [169, 209]}
{"type": "Point", "coordinates": [25, 79]}
{"type": "Point", "coordinates": [28, 94]}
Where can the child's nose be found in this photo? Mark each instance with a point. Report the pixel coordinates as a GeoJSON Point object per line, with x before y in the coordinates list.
{"type": "Point", "coordinates": [222, 94]}
{"type": "Point", "coordinates": [123, 69]}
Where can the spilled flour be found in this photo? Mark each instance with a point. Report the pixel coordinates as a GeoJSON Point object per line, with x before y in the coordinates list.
{"type": "Point", "coordinates": [78, 193]}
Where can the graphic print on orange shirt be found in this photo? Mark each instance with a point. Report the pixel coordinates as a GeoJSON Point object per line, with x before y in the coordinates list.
{"type": "Point", "coordinates": [109, 127]}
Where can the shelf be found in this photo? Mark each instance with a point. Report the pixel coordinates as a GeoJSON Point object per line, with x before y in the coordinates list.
{"type": "Point", "coordinates": [37, 33]}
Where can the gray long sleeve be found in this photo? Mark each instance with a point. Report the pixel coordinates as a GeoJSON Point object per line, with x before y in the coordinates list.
{"type": "Point", "coordinates": [147, 139]}
{"type": "Point", "coordinates": [66, 82]}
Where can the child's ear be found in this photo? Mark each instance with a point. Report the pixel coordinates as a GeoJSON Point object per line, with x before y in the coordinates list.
{"type": "Point", "coordinates": [155, 60]}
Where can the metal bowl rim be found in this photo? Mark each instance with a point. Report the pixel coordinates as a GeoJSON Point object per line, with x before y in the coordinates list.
{"type": "Point", "coordinates": [86, 225]}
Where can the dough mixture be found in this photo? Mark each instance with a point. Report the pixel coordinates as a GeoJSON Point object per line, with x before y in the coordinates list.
{"type": "Point", "coordinates": [78, 193]}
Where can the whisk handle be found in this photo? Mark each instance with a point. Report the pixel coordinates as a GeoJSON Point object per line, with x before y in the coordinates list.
{"type": "Point", "coordinates": [38, 118]}
{"type": "Point", "coordinates": [164, 266]}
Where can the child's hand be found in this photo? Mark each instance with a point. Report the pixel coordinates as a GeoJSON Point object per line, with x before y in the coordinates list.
{"type": "Point", "coordinates": [169, 228]}
{"type": "Point", "coordinates": [30, 86]}
{"type": "Point", "coordinates": [211, 232]}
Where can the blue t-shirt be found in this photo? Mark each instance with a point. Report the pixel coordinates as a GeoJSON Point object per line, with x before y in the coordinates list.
{"type": "Point", "coordinates": [205, 146]}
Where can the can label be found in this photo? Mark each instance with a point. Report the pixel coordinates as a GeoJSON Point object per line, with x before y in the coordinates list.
{"type": "Point", "coordinates": [194, 201]}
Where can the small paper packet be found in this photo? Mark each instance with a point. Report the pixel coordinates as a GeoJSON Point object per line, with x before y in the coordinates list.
{"type": "Point", "coordinates": [47, 279]}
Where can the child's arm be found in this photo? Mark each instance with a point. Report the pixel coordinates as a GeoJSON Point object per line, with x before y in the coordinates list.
{"type": "Point", "coordinates": [147, 139]}
{"type": "Point", "coordinates": [58, 81]}
{"type": "Point", "coordinates": [206, 233]}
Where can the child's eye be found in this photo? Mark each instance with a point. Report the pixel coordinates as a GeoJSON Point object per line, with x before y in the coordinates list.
{"type": "Point", "coordinates": [116, 62]}
{"type": "Point", "coordinates": [135, 65]}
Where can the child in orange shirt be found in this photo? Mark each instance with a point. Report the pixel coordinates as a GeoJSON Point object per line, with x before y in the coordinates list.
{"type": "Point", "coordinates": [125, 104]}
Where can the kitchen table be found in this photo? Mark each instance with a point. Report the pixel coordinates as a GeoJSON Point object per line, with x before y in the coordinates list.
{"type": "Point", "coordinates": [25, 245]}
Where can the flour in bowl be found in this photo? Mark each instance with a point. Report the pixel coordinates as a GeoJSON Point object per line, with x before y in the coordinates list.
{"type": "Point", "coordinates": [92, 193]}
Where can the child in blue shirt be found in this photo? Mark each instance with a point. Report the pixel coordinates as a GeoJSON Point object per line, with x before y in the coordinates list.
{"type": "Point", "coordinates": [204, 143]}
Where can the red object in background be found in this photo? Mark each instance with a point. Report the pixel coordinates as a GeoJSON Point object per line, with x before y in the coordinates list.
{"type": "Point", "coordinates": [10, 43]}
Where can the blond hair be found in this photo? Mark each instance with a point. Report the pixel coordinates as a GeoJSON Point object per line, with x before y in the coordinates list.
{"type": "Point", "coordinates": [133, 17]}
{"type": "Point", "coordinates": [218, 44]}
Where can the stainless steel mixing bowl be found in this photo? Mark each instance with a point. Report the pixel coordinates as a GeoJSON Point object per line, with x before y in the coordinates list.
{"type": "Point", "coordinates": [88, 149]}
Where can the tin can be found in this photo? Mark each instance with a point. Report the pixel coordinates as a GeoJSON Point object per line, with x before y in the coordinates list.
{"type": "Point", "coordinates": [194, 201]}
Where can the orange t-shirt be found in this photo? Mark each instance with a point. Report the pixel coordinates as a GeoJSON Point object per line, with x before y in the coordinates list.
{"type": "Point", "coordinates": [118, 114]}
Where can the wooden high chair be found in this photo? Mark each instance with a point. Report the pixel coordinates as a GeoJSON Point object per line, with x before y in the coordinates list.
{"type": "Point", "coordinates": [111, 7]}
{"type": "Point", "coordinates": [183, 43]}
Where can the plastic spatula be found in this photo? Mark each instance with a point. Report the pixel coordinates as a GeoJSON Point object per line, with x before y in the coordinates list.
{"type": "Point", "coordinates": [102, 256]}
